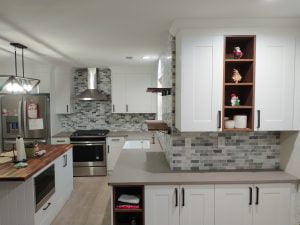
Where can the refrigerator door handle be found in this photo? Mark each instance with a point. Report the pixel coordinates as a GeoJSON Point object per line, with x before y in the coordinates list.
{"type": "Point", "coordinates": [20, 117]}
{"type": "Point", "coordinates": [24, 118]}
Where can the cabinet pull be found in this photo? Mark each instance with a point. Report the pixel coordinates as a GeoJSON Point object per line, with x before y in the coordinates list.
{"type": "Point", "coordinates": [176, 197]}
{"type": "Point", "coordinates": [107, 148]}
{"type": "Point", "coordinates": [113, 107]}
{"type": "Point", "coordinates": [219, 119]}
{"type": "Point", "coordinates": [183, 196]}
{"type": "Point", "coordinates": [60, 141]}
{"type": "Point", "coordinates": [257, 196]}
{"type": "Point", "coordinates": [115, 139]}
{"type": "Point", "coordinates": [48, 205]}
{"type": "Point", "coordinates": [65, 160]}
{"type": "Point", "coordinates": [250, 195]}
{"type": "Point", "coordinates": [126, 107]}
{"type": "Point", "coordinates": [67, 108]}
{"type": "Point", "coordinates": [258, 118]}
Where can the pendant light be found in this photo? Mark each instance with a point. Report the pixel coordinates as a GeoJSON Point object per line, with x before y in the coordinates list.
{"type": "Point", "coordinates": [16, 84]}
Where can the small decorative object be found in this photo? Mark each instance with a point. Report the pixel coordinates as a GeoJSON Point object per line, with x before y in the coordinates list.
{"type": "Point", "coordinates": [237, 53]}
{"type": "Point", "coordinates": [240, 121]}
{"type": "Point", "coordinates": [229, 124]}
{"type": "Point", "coordinates": [20, 165]}
{"type": "Point", "coordinates": [30, 150]}
{"type": "Point", "coordinates": [236, 76]}
{"type": "Point", "coordinates": [235, 101]}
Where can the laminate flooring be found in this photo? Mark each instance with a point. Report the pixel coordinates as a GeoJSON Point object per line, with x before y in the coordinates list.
{"type": "Point", "coordinates": [89, 203]}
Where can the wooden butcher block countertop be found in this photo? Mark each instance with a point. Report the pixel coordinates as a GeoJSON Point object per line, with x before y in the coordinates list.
{"type": "Point", "coordinates": [9, 173]}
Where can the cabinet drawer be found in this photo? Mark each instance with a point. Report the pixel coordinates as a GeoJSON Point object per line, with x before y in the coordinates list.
{"type": "Point", "coordinates": [46, 213]}
{"type": "Point", "coordinates": [57, 141]}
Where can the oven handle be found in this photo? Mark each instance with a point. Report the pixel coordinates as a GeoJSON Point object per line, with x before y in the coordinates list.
{"type": "Point", "coordinates": [87, 144]}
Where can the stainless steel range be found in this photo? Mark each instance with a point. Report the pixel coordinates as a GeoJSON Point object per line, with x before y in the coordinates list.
{"type": "Point", "coordinates": [89, 152]}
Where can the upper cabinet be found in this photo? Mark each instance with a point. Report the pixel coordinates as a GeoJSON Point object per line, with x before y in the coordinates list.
{"type": "Point", "coordinates": [129, 92]}
{"type": "Point", "coordinates": [199, 70]}
{"type": "Point", "coordinates": [275, 77]}
{"type": "Point", "coordinates": [63, 91]}
{"type": "Point", "coordinates": [268, 92]}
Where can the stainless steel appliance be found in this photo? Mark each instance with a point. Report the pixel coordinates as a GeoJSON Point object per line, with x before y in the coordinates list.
{"type": "Point", "coordinates": [89, 152]}
{"type": "Point", "coordinates": [44, 187]}
{"type": "Point", "coordinates": [27, 116]}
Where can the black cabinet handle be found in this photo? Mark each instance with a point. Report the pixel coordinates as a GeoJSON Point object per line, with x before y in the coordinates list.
{"type": "Point", "coordinates": [113, 107]}
{"type": "Point", "coordinates": [67, 108]}
{"type": "Point", "coordinates": [126, 107]}
{"type": "Point", "coordinates": [183, 196]}
{"type": "Point", "coordinates": [176, 197]}
{"type": "Point", "coordinates": [107, 148]}
{"type": "Point", "coordinates": [219, 119]}
{"type": "Point", "coordinates": [250, 195]}
{"type": "Point", "coordinates": [65, 160]}
{"type": "Point", "coordinates": [257, 196]}
{"type": "Point", "coordinates": [258, 118]}
{"type": "Point", "coordinates": [48, 205]}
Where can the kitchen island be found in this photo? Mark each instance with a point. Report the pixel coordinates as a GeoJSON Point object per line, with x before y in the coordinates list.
{"type": "Point", "coordinates": [36, 193]}
{"type": "Point", "coordinates": [167, 197]}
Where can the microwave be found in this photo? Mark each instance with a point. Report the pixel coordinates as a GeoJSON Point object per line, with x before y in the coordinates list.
{"type": "Point", "coordinates": [44, 186]}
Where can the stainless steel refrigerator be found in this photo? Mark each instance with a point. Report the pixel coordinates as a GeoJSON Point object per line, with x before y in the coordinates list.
{"type": "Point", "coordinates": [27, 116]}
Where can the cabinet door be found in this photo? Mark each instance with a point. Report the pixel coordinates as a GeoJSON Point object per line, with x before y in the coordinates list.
{"type": "Point", "coordinates": [272, 204]}
{"type": "Point", "coordinates": [296, 124]}
{"type": "Point", "coordinates": [200, 83]}
{"type": "Point", "coordinates": [161, 205]}
{"type": "Point", "coordinates": [118, 95]}
{"type": "Point", "coordinates": [197, 205]}
{"type": "Point", "coordinates": [63, 91]}
{"type": "Point", "coordinates": [232, 205]}
{"type": "Point", "coordinates": [114, 148]}
{"type": "Point", "coordinates": [137, 99]}
{"type": "Point", "coordinates": [275, 83]}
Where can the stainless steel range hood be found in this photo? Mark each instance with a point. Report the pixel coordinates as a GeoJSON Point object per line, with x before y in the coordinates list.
{"type": "Point", "coordinates": [92, 93]}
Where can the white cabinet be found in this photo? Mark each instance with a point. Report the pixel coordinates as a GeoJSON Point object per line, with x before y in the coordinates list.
{"type": "Point", "coordinates": [232, 204]}
{"type": "Point", "coordinates": [129, 93]}
{"type": "Point", "coordinates": [63, 91]}
{"type": "Point", "coordinates": [184, 205]}
{"type": "Point", "coordinates": [257, 204]}
{"type": "Point", "coordinates": [197, 205]}
{"type": "Point", "coordinates": [162, 205]}
{"type": "Point", "coordinates": [296, 124]}
{"type": "Point", "coordinates": [273, 204]}
{"type": "Point", "coordinates": [199, 81]}
{"type": "Point", "coordinates": [275, 77]}
{"type": "Point", "coordinates": [114, 146]}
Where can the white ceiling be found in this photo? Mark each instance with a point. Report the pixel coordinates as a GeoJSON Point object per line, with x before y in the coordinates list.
{"type": "Point", "coordinates": [104, 32]}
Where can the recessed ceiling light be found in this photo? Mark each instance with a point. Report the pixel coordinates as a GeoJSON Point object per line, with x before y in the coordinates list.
{"type": "Point", "coordinates": [146, 57]}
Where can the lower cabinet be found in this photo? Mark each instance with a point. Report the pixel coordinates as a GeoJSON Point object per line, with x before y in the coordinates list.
{"type": "Point", "coordinates": [258, 204]}
{"type": "Point", "coordinates": [232, 204]}
{"type": "Point", "coordinates": [184, 205]}
{"type": "Point", "coordinates": [114, 147]}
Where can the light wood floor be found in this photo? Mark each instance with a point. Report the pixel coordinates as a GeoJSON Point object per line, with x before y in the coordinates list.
{"type": "Point", "coordinates": [89, 203]}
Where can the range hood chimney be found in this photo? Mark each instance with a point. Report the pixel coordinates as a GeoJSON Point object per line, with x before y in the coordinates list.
{"type": "Point", "coordinates": [92, 93]}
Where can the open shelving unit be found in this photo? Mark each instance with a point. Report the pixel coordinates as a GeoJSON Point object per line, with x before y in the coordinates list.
{"type": "Point", "coordinates": [245, 89]}
{"type": "Point", "coordinates": [124, 216]}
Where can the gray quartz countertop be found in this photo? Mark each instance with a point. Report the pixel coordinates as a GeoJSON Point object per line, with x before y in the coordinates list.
{"type": "Point", "coordinates": [63, 134]}
{"type": "Point", "coordinates": [138, 167]}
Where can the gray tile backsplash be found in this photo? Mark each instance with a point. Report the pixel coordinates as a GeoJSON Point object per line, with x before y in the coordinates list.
{"type": "Point", "coordinates": [96, 114]}
{"type": "Point", "coordinates": [212, 150]}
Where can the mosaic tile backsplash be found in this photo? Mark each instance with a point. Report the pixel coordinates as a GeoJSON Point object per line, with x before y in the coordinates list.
{"type": "Point", "coordinates": [212, 150]}
{"type": "Point", "coordinates": [96, 114]}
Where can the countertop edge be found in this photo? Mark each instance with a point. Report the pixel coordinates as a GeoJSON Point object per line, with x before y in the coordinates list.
{"type": "Point", "coordinates": [45, 163]}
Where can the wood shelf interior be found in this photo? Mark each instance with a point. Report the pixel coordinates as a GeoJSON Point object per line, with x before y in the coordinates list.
{"type": "Point", "coordinates": [158, 125]}
{"type": "Point", "coordinates": [124, 216]}
{"type": "Point", "coordinates": [246, 43]}
{"type": "Point", "coordinates": [163, 91]}
{"type": "Point", "coordinates": [245, 89]}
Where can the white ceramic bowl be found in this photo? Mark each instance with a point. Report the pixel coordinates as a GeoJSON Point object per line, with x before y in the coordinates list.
{"type": "Point", "coordinates": [229, 124]}
{"type": "Point", "coordinates": [240, 121]}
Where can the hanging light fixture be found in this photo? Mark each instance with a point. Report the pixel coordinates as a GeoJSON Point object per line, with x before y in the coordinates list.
{"type": "Point", "coordinates": [15, 84]}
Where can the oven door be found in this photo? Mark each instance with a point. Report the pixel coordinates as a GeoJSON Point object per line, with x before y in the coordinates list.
{"type": "Point", "coordinates": [89, 154]}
